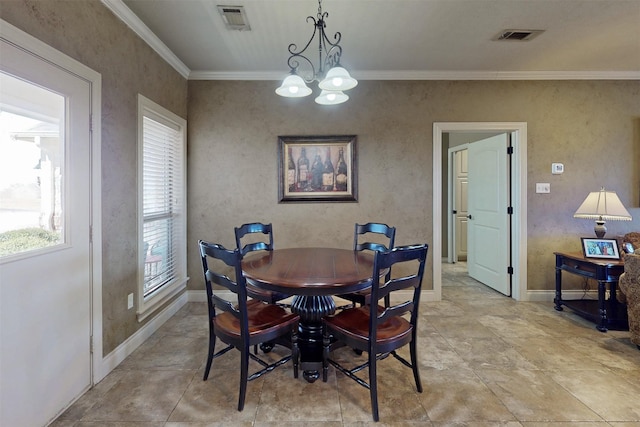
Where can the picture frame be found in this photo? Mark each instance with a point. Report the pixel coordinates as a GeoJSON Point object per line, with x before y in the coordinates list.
{"type": "Point", "coordinates": [600, 248]}
{"type": "Point", "coordinates": [305, 175]}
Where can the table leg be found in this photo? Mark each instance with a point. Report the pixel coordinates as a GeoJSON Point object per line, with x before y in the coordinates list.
{"type": "Point", "coordinates": [311, 310]}
{"type": "Point", "coordinates": [615, 310]}
{"type": "Point", "coordinates": [602, 288]}
{"type": "Point", "coordinates": [558, 298]}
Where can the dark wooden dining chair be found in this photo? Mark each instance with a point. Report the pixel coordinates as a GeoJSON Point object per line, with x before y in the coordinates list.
{"type": "Point", "coordinates": [248, 323]}
{"type": "Point", "coordinates": [374, 237]}
{"type": "Point", "coordinates": [377, 329]}
{"type": "Point", "coordinates": [261, 240]}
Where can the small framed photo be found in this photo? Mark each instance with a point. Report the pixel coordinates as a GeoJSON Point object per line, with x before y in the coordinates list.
{"type": "Point", "coordinates": [600, 248]}
{"type": "Point", "coordinates": [317, 169]}
{"type": "Point", "coordinates": [627, 247]}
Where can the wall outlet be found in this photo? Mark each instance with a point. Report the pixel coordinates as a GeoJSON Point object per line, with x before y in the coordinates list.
{"type": "Point", "coordinates": [129, 301]}
{"type": "Point", "coordinates": [543, 187]}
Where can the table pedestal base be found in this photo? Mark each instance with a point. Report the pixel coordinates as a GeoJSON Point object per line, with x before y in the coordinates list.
{"type": "Point", "coordinates": [311, 310]}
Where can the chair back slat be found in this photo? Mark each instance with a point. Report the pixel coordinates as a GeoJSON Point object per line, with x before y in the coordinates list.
{"type": "Point", "coordinates": [373, 228]}
{"type": "Point", "coordinates": [222, 280]}
{"type": "Point", "coordinates": [254, 228]}
{"type": "Point", "coordinates": [395, 310]}
{"type": "Point", "coordinates": [399, 283]}
{"type": "Point", "coordinates": [257, 246]}
{"type": "Point", "coordinates": [225, 305]}
{"type": "Point", "coordinates": [371, 246]}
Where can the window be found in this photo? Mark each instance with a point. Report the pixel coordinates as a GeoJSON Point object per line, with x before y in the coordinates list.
{"type": "Point", "coordinates": [161, 205]}
{"type": "Point", "coordinates": [31, 167]}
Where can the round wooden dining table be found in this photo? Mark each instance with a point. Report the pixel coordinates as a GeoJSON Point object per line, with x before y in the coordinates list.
{"type": "Point", "coordinates": [312, 276]}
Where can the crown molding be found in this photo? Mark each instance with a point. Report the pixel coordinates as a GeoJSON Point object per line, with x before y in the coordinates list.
{"type": "Point", "coordinates": [568, 75]}
{"type": "Point", "coordinates": [128, 17]}
{"type": "Point", "coordinates": [237, 75]}
{"type": "Point", "coordinates": [434, 75]}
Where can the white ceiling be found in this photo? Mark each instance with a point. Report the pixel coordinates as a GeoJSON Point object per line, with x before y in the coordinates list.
{"type": "Point", "coordinates": [397, 39]}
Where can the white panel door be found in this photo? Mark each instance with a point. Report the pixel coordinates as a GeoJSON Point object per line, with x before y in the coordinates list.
{"type": "Point", "coordinates": [461, 203]}
{"type": "Point", "coordinates": [488, 226]}
{"type": "Point", "coordinates": [45, 293]}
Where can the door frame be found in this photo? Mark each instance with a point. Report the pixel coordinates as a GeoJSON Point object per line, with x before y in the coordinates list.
{"type": "Point", "coordinates": [518, 132]}
{"type": "Point", "coordinates": [47, 53]}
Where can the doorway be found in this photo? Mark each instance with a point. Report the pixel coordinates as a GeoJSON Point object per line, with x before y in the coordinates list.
{"type": "Point", "coordinates": [518, 134]}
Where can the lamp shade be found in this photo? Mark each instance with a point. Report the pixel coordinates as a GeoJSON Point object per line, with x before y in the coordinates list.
{"type": "Point", "coordinates": [293, 86]}
{"type": "Point", "coordinates": [331, 97]}
{"type": "Point", "coordinates": [603, 205]}
{"type": "Point", "coordinates": [338, 78]}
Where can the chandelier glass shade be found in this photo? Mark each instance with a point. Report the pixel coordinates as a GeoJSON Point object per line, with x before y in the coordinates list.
{"type": "Point", "coordinates": [331, 97]}
{"type": "Point", "coordinates": [293, 86]}
{"type": "Point", "coordinates": [337, 78]}
{"type": "Point", "coordinates": [333, 79]}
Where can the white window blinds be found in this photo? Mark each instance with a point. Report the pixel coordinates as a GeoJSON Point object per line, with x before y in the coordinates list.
{"type": "Point", "coordinates": [163, 203]}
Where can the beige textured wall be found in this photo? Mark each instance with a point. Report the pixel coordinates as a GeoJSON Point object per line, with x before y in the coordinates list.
{"type": "Point", "coordinates": [91, 34]}
{"type": "Point", "coordinates": [593, 127]}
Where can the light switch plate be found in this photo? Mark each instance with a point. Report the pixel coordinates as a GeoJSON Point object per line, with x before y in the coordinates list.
{"type": "Point", "coordinates": [543, 187]}
{"type": "Point", "coordinates": [557, 168]}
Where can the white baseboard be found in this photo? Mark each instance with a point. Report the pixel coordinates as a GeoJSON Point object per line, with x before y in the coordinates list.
{"type": "Point", "coordinates": [428, 296]}
{"type": "Point", "coordinates": [197, 296]}
{"type": "Point", "coordinates": [113, 359]}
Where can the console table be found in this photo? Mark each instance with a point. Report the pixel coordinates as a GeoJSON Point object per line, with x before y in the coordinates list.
{"type": "Point", "coordinates": [607, 313]}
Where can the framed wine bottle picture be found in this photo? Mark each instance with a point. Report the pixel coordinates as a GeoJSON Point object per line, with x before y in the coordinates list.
{"type": "Point", "coordinates": [317, 169]}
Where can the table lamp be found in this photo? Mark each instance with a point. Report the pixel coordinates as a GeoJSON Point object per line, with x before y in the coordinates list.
{"type": "Point", "coordinates": [602, 206]}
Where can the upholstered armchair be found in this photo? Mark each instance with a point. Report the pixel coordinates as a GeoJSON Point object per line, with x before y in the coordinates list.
{"type": "Point", "coordinates": [633, 238]}
{"type": "Point", "coordinates": [629, 284]}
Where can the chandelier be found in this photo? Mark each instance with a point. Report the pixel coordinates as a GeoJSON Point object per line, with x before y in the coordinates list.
{"type": "Point", "coordinates": [303, 71]}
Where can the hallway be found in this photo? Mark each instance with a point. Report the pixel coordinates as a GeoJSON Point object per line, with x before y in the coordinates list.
{"type": "Point", "coordinates": [485, 360]}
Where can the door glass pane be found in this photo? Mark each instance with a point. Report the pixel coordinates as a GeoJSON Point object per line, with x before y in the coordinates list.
{"type": "Point", "coordinates": [31, 166]}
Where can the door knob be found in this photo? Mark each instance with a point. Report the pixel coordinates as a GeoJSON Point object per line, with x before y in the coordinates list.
{"type": "Point", "coordinates": [469, 216]}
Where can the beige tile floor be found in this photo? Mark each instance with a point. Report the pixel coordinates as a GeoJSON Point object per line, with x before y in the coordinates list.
{"type": "Point", "coordinates": [485, 360]}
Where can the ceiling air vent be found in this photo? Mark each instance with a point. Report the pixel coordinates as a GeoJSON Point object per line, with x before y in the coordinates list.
{"type": "Point", "coordinates": [518, 35]}
{"type": "Point", "coordinates": [234, 18]}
